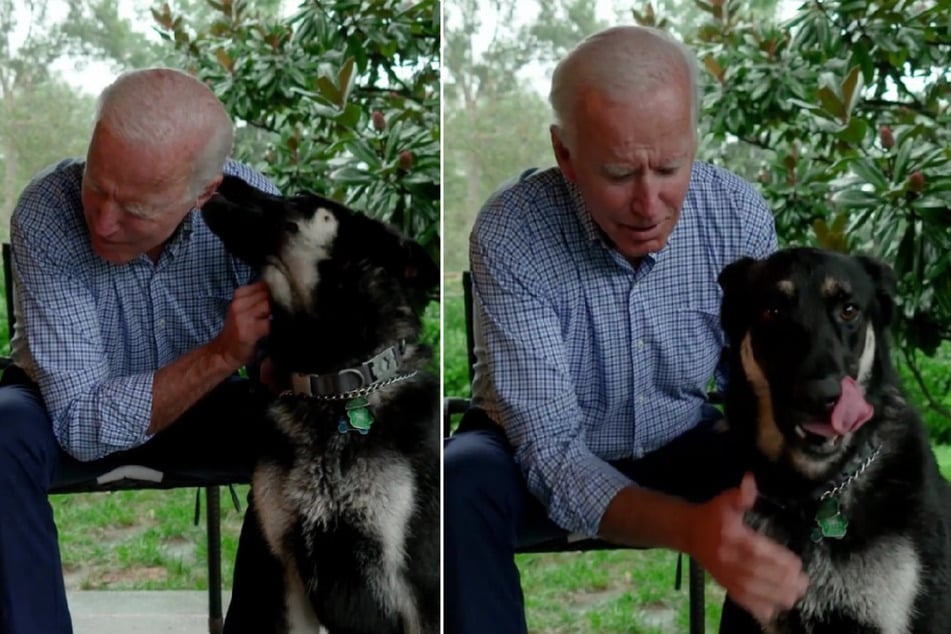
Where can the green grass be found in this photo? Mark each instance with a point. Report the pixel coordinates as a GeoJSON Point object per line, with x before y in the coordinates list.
{"type": "Point", "coordinates": [141, 540]}
{"type": "Point", "coordinates": [609, 591]}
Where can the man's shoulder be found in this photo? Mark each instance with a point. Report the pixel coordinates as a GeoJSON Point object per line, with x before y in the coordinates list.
{"type": "Point", "coordinates": [58, 185]}
{"type": "Point", "coordinates": [719, 179]}
{"type": "Point", "coordinates": [250, 176]}
{"type": "Point", "coordinates": [527, 202]}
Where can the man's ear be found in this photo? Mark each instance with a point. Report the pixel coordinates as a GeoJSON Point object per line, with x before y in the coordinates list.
{"type": "Point", "coordinates": [562, 152]}
{"type": "Point", "coordinates": [208, 192]}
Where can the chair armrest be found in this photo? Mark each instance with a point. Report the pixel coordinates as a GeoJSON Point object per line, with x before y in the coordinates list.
{"type": "Point", "coordinates": [452, 406]}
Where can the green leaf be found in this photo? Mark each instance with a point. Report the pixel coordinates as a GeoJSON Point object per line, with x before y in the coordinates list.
{"type": "Point", "coordinates": [852, 89]}
{"type": "Point", "coordinates": [329, 91]}
{"type": "Point", "coordinates": [345, 79]}
{"type": "Point", "coordinates": [867, 170]}
{"type": "Point", "coordinates": [831, 103]}
{"type": "Point", "coordinates": [850, 198]}
{"type": "Point", "coordinates": [900, 169]}
{"type": "Point", "coordinates": [854, 133]}
{"type": "Point", "coordinates": [351, 176]}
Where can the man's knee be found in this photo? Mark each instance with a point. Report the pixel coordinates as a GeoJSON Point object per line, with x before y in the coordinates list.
{"type": "Point", "coordinates": [479, 470]}
{"type": "Point", "coordinates": [25, 430]}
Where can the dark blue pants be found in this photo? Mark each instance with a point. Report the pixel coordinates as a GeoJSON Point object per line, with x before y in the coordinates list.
{"type": "Point", "coordinates": [220, 431]}
{"type": "Point", "coordinates": [488, 513]}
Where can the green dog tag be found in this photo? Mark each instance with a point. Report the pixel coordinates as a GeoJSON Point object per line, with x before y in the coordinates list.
{"type": "Point", "coordinates": [830, 520]}
{"type": "Point", "coordinates": [359, 415]}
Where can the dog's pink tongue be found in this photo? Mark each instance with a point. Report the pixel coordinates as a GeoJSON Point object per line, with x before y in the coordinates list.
{"type": "Point", "coordinates": [851, 411]}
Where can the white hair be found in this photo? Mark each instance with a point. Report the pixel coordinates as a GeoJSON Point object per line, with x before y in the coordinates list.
{"type": "Point", "coordinates": [167, 109]}
{"type": "Point", "coordinates": [619, 63]}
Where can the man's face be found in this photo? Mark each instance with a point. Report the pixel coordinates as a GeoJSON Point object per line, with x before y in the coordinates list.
{"type": "Point", "coordinates": [132, 200]}
{"type": "Point", "coordinates": [631, 163]}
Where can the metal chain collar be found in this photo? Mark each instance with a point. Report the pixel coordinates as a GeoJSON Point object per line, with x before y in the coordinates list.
{"type": "Point", "coordinates": [836, 490]}
{"type": "Point", "coordinates": [363, 391]}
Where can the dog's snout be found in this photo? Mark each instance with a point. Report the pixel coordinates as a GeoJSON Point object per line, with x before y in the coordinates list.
{"type": "Point", "coordinates": [822, 394]}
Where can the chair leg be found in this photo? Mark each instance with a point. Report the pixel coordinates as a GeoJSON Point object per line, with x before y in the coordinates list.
{"type": "Point", "coordinates": [215, 620]}
{"type": "Point", "coordinates": [697, 607]}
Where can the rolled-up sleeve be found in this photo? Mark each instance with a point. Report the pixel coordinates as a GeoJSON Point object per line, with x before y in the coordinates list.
{"type": "Point", "coordinates": [92, 413]}
{"type": "Point", "coordinates": [530, 389]}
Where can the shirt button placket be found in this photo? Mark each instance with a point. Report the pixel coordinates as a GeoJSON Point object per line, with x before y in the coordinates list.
{"type": "Point", "coordinates": [639, 359]}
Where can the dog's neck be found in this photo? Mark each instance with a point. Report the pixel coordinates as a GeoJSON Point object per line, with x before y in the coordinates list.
{"type": "Point", "coordinates": [801, 496]}
{"type": "Point", "coordinates": [384, 367]}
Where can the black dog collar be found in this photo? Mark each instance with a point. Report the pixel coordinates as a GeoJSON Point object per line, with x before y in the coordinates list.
{"type": "Point", "coordinates": [383, 366]}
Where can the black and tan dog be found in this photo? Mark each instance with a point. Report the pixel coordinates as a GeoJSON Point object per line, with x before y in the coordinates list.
{"type": "Point", "coordinates": [346, 492]}
{"type": "Point", "coordinates": [847, 479]}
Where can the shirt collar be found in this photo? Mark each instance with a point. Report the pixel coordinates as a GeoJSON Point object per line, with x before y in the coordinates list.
{"type": "Point", "coordinates": [179, 239]}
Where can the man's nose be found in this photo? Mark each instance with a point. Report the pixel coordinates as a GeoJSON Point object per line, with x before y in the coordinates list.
{"type": "Point", "coordinates": [106, 217]}
{"type": "Point", "coordinates": [645, 199]}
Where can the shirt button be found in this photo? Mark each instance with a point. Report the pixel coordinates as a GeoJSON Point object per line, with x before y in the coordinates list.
{"type": "Point", "coordinates": [161, 323]}
{"type": "Point", "coordinates": [640, 399]}
{"type": "Point", "coordinates": [640, 343]}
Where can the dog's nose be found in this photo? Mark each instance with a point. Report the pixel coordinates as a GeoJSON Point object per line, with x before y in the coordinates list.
{"type": "Point", "coordinates": [822, 394]}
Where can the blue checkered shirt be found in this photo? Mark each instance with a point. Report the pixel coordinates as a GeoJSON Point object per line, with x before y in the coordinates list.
{"type": "Point", "coordinates": [91, 333]}
{"type": "Point", "coordinates": [582, 357]}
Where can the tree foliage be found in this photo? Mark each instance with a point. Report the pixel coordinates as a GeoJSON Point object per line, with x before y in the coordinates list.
{"type": "Point", "coordinates": [341, 98]}
{"type": "Point", "coordinates": [846, 105]}
{"type": "Point", "coordinates": [43, 118]}
{"type": "Point", "coordinates": [497, 116]}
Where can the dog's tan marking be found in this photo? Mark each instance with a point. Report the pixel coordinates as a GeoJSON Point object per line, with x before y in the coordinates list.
{"type": "Point", "coordinates": [832, 287]}
{"type": "Point", "coordinates": [786, 287]}
{"type": "Point", "coordinates": [768, 437]}
{"type": "Point", "coordinates": [867, 360]}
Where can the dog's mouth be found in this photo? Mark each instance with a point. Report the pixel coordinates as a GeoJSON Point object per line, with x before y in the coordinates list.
{"type": "Point", "coordinates": [847, 415]}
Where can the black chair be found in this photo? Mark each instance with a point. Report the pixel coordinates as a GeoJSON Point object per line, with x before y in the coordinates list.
{"type": "Point", "coordinates": [454, 406]}
{"type": "Point", "coordinates": [78, 477]}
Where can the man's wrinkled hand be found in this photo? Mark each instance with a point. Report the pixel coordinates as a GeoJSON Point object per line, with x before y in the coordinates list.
{"type": "Point", "coordinates": [248, 320]}
{"type": "Point", "coordinates": [760, 575]}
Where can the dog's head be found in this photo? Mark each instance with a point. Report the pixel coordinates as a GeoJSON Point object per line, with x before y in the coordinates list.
{"type": "Point", "coordinates": [342, 284]}
{"type": "Point", "coordinates": [808, 353]}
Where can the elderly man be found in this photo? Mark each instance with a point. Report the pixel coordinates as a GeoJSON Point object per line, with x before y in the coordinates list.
{"type": "Point", "coordinates": [597, 303]}
{"type": "Point", "coordinates": [132, 321]}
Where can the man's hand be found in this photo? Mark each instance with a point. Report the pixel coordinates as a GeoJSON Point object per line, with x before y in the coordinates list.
{"type": "Point", "coordinates": [760, 575]}
{"type": "Point", "coordinates": [247, 321]}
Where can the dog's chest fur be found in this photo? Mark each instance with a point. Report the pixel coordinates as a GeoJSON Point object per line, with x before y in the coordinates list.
{"type": "Point", "coordinates": [875, 586]}
{"type": "Point", "coordinates": [332, 482]}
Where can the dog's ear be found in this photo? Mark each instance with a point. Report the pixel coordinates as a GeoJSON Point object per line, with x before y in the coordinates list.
{"type": "Point", "coordinates": [734, 279]}
{"type": "Point", "coordinates": [237, 191]}
{"type": "Point", "coordinates": [420, 272]}
{"type": "Point", "coordinates": [886, 285]}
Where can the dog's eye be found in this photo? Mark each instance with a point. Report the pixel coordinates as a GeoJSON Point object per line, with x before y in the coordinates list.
{"type": "Point", "coordinates": [291, 227]}
{"type": "Point", "coordinates": [771, 312]}
{"type": "Point", "coordinates": [849, 312]}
